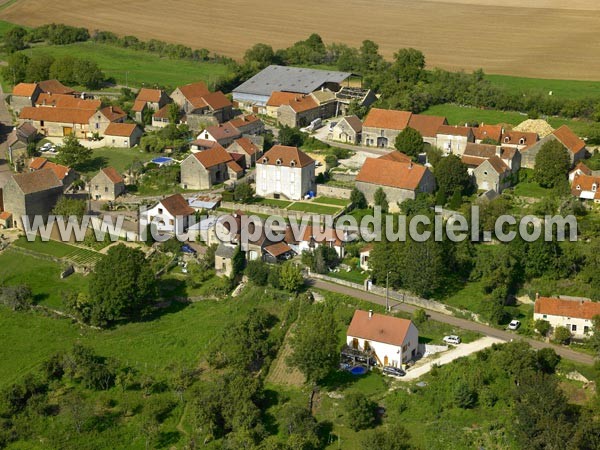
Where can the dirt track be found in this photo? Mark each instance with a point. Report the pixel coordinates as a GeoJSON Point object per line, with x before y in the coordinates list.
{"type": "Point", "coordinates": [537, 38]}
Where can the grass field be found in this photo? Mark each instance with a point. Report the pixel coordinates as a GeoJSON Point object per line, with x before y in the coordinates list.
{"type": "Point", "coordinates": [136, 68]}
{"type": "Point", "coordinates": [119, 158]}
{"type": "Point", "coordinates": [560, 88]}
{"type": "Point", "coordinates": [531, 189]}
{"type": "Point", "coordinates": [458, 115]}
{"type": "Point", "coordinates": [69, 253]}
{"type": "Point", "coordinates": [567, 35]}
{"type": "Point", "coordinates": [331, 201]}
{"type": "Point", "coordinates": [313, 208]}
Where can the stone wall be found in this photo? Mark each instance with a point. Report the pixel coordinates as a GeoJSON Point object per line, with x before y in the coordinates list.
{"type": "Point", "coordinates": [333, 191]}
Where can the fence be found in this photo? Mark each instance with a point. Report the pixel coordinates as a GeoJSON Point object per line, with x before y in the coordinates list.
{"type": "Point", "coordinates": [403, 297]}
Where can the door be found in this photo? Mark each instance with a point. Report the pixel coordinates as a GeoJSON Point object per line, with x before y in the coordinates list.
{"type": "Point", "coordinates": [67, 131]}
{"type": "Point", "coordinates": [355, 343]}
{"type": "Point", "coordinates": [385, 361]}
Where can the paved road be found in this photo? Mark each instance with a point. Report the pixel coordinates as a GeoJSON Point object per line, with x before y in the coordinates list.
{"type": "Point", "coordinates": [454, 321]}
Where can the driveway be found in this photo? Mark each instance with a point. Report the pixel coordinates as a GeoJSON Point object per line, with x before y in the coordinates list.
{"type": "Point", "coordinates": [503, 335]}
{"type": "Point", "coordinates": [444, 358]}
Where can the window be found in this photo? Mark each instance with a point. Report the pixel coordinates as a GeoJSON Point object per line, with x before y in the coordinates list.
{"type": "Point", "coordinates": [522, 141]}
{"type": "Point", "coordinates": [594, 187]}
{"type": "Point", "coordinates": [278, 162]}
{"type": "Point", "coordinates": [106, 189]}
{"type": "Point", "coordinates": [507, 139]}
{"type": "Point", "coordinates": [97, 125]}
{"type": "Point", "coordinates": [292, 163]}
{"type": "Point", "coordinates": [160, 210]}
{"type": "Point", "coordinates": [586, 329]}
{"type": "Point", "coordinates": [578, 187]}
{"type": "Point", "coordinates": [545, 316]}
{"type": "Point", "coordinates": [96, 187]}
{"type": "Point", "coordinates": [485, 172]}
{"type": "Point", "coordinates": [573, 327]}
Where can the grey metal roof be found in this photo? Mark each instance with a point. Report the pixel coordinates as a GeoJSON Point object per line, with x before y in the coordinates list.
{"type": "Point", "coordinates": [289, 79]}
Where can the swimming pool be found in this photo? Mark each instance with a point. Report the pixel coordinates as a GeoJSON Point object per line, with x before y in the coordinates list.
{"type": "Point", "coordinates": [358, 370]}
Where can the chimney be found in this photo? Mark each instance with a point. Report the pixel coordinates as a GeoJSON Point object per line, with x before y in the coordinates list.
{"type": "Point", "coordinates": [370, 313]}
{"type": "Point", "coordinates": [410, 165]}
{"type": "Point", "coordinates": [498, 151]}
{"type": "Point", "coordinates": [537, 295]}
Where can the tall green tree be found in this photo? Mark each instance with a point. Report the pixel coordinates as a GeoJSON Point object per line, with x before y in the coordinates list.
{"type": "Point", "coordinates": [68, 207]}
{"type": "Point", "coordinates": [314, 344]}
{"type": "Point", "coordinates": [360, 411]}
{"type": "Point", "coordinates": [451, 175]}
{"type": "Point", "coordinates": [260, 54]}
{"type": "Point", "coordinates": [409, 65]}
{"type": "Point", "coordinates": [290, 277]}
{"type": "Point", "coordinates": [552, 165]}
{"type": "Point", "coordinates": [15, 70]}
{"type": "Point", "coordinates": [358, 200]}
{"type": "Point", "coordinates": [14, 39]}
{"type": "Point", "coordinates": [39, 67]}
{"type": "Point", "coordinates": [410, 141]}
{"type": "Point", "coordinates": [380, 199]}
{"type": "Point", "coordinates": [72, 153]}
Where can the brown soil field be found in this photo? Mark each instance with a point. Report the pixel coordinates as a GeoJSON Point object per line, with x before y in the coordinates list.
{"type": "Point", "coordinates": [534, 38]}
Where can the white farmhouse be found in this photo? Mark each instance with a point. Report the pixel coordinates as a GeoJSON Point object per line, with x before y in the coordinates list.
{"type": "Point", "coordinates": [393, 341]}
{"type": "Point", "coordinates": [285, 172]}
{"type": "Point", "coordinates": [576, 314]}
{"type": "Point", "coordinates": [170, 214]}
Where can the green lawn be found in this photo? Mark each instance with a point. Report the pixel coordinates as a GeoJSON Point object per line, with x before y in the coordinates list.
{"type": "Point", "coordinates": [458, 115]}
{"type": "Point", "coordinates": [313, 208]}
{"type": "Point", "coordinates": [531, 189]}
{"type": "Point", "coordinates": [353, 276]}
{"type": "Point", "coordinates": [69, 253]}
{"type": "Point", "coordinates": [560, 88]}
{"type": "Point", "coordinates": [119, 158]}
{"type": "Point", "coordinates": [43, 277]}
{"type": "Point", "coordinates": [136, 68]}
{"type": "Point", "coordinates": [276, 203]}
{"type": "Point", "coordinates": [332, 201]}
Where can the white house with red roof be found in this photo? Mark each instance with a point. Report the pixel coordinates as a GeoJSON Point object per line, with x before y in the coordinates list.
{"type": "Point", "coordinates": [453, 139]}
{"type": "Point", "coordinates": [393, 341]}
{"type": "Point", "coordinates": [574, 313]}
{"type": "Point", "coordinates": [169, 215]}
{"type": "Point", "coordinates": [285, 172]}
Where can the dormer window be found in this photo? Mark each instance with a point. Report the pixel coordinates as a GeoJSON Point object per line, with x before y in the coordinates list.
{"type": "Point", "coordinates": [265, 160]}
{"type": "Point", "coordinates": [507, 139]}
{"type": "Point", "coordinates": [578, 187]}
{"type": "Point", "coordinates": [522, 141]}
{"type": "Point", "coordinates": [594, 187]}
{"type": "Point", "coordinates": [292, 163]}
{"type": "Point", "coordinates": [278, 162]}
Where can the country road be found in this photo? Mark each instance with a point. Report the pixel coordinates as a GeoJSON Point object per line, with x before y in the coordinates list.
{"type": "Point", "coordinates": [565, 352]}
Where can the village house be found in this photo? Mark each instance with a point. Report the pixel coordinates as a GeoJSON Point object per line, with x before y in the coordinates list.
{"type": "Point", "coordinates": [488, 132]}
{"type": "Point", "coordinates": [518, 139]}
{"type": "Point", "coordinates": [391, 340]}
{"type": "Point", "coordinates": [313, 238]}
{"type": "Point", "coordinates": [564, 135]}
{"type": "Point", "coordinates": [278, 99]}
{"type": "Point", "coordinates": [26, 94]}
{"type": "Point", "coordinates": [160, 118]}
{"type": "Point", "coordinates": [347, 130]}
{"type": "Point", "coordinates": [253, 94]}
{"type": "Point", "coordinates": [204, 169]}
{"type": "Point", "coordinates": [65, 174]}
{"type": "Point", "coordinates": [585, 183]}
{"type": "Point", "coordinates": [382, 126]}
{"type": "Point", "coordinates": [358, 96]}
{"type": "Point", "coordinates": [492, 165]}
{"type": "Point", "coordinates": [104, 117]}
{"type": "Point", "coordinates": [107, 184]}
{"type": "Point", "coordinates": [172, 214]}
{"type": "Point", "coordinates": [575, 314]}
{"type": "Point", "coordinates": [18, 140]}
{"type": "Point", "coordinates": [400, 180]}
{"type": "Point", "coordinates": [49, 100]}
{"type": "Point", "coordinates": [224, 259]}
{"type": "Point", "coordinates": [244, 146]}
{"type": "Point", "coordinates": [59, 122]}
{"type": "Point", "coordinates": [223, 134]}
{"type": "Point", "coordinates": [285, 172]}
{"type": "Point", "coordinates": [201, 107]}
{"type": "Point", "coordinates": [31, 194]}
{"type": "Point", "coordinates": [453, 140]}
{"type": "Point", "coordinates": [427, 126]}
{"type": "Point", "coordinates": [200, 145]}
{"type": "Point", "coordinates": [153, 99]}
{"type": "Point", "coordinates": [248, 124]}
{"type": "Point", "coordinates": [123, 135]}
{"type": "Point", "coordinates": [299, 112]}
{"type": "Point", "coordinates": [365, 254]}
{"type": "Point", "coordinates": [6, 220]}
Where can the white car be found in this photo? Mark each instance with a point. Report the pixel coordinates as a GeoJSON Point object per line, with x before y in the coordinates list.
{"type": "Point", "coordinates": [514, 324]}
{"type": "Point", "coordinates": [452, 339]}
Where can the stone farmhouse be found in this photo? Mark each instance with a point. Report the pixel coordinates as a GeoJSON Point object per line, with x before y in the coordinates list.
{"type": "Point", "coordinates": [313, 238]}
{"type": "Point", "coordinates": [153, 99]}
{"type": "Point", "coordinates": [169, 215]}
{"type": "Point", "coordinates": [108, 184]}
{"type": "Point", "coordinates": [518, 139]}
{"type": "Point", "coordinates": [576, 314]}
{"type": "Point", "coordinates": [585, 183]}
{"type": "Point", "coordinates": [483, 132]}
{"type": "Point", "coordinates": [31, 194]}
{"type": "Point", "coordinates": [348, 130]}
{"type": "Point", "coordinates": [382, 126]}
{"type": "Point", "coordinates": [18, 140]}
{"type": "Point", "coordinates": [301, 111]}
{"type": "Point", "coordinates": [453, 140]}
{"type": "Point", "coordinates": [123, 135]}
{"type": "Point", "coordinates": [202, 107]}
{"type": "Point", "coordinates": [26, 94]}
{"type": "Point", "coordinates": [400, 179]}
{"type": "Point", "coordinates": [278, 99]}
{"type": "Point", "coordinates": [285, 172]}
{"type": "Point", "coordinates": [391, 340]}
{"type": "Point", "coordinates": [564, 135]}
{"type": "Point", "coordinates": [244, 146]}
{"type": "Point", "coordinates": [492, 165]}
{"type": "Point", "coordinates": [428, 126]}
{"type": "Point", "coordinates": [65, 174]}
{"type": "Point", "coordinates": [204, 169]}
{"type": "Point", "coordinates": [223, 134]}
{"type": "Point", "coordinates": [248, 124]}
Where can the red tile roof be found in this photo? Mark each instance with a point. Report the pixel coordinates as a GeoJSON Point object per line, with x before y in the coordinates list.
{"type": "Point", "coordinates": [321, 236]}
{"type": "Point", "coordinates": [379, 328]}
{"type": "Point", "coordinates": [387, 119]}
{"type": "Point", "coordinates": [162, 113]}
{"type": "Point", "coordinates": [149, 95]}
{"type": "Point", "coordinates": [138, 106]}
{"type": "Point", "coordinates": [67, 101]}
{"type": "Point", "coordinates": [581, 309]}
{"type": "Point", "coordinates": [282, 98]}
{"type": "Point", "coordinates": [215, 156]}
{"type": "Point", "coordinates": [498, 165]}
{"type": "Point", "coordinates": [194, 90]}
{"type": "Point", "coordinates": [58, 115]}
{"type": "Point", "coordinates": [397, 156]}
{"type": "Point", "coordinates": [113, 175]}
{"type": "Point", "coordinates": [278, 249]}
{"type": "Point", "coordinates": [488, 132]}
{"type": "Point", "coordinates": [5, 215]}
{"type": "Point", "coordinates": [24, 89]}
{"type": "Point", "coordinates": [54, 87]}
{"type": "Point", "coordinates": [454, 130]}
{"type": "Point", "coordinates": [42, 163]}
{"type": "Point", "coordinates": [223, 131]}
{"type": "Point", "coordinates": [113, 113]}
{"type": "Point", "coordinates": [303, 104]}
{"type": "Point", "coordinates": [282, 155]}
{"type": "Point", "coordinates": [120, 129]}
{"type": "Point", "coordinates": [176, 205]}
{"type": "Point", "coordinates": [242, 121]}
{"type": "Point", "coordinates": [589, 186]}
{"type": "Point", "coordinates": [426, 125]}
{"type": "Point", "coordinates": [569, 139]}
{"type": "Point", "coordinates": [249, 147]}
{"type": "Point", "coordinates": [234, 166]}
{"type": "Point", "coordinates": [216, 100]}
{"type": "Point", "coordinates": [37, 181]}
{"type": "Point", "coordinates": [514, 138]}
{"type": "Point", "coordinates": [401, 175]}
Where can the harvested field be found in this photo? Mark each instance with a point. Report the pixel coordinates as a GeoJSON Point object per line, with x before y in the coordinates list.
{"type": "Point", "coordinates": [281, 373]}
{"type": "Point", "coordinates": [533, 38]}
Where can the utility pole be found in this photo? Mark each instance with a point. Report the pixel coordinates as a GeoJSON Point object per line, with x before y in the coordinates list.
{"type": "Point", "coordinates": [387, 291]}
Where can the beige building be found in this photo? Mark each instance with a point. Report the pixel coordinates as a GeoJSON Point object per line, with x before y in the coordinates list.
{"type": "Point", "coordinates": [202, 107]}
{"type": "Point", "coordinates": [564, 135]}
{"type": "Point", "coordinates": [108, 184]}
{"type": "Point", "coordinates": [153, 99]}
{"type": "Point", "coordinates": [244, 146]}
{"type": "Point", "coordinates": [453, 140]}
{"type": "Point", "coordinates": [382, 126]}
{"type": "Point", "coordinates": [224, 259]}
{"type": "Point", "coordinates": [122, 135]}
{"type": "Point", "coordinates": [575, 314]}
{"type": "Point", "coordinates": [347, 130]}
{"type": "Point", "coordinates": [492, 166]}
{"type": "Point", "coordinates": [285, 172]}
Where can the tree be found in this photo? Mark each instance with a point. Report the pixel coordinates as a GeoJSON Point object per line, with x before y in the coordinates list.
{"type": "Point", "coordinates": [67, 207]}
{"type": "Point", "coordinates": [595, 338]}
{"type": "Point", "coordinates": [38, 68]}
{"type": "Point", "coordinates": [465, 396]}
{"type": "Point", "coordinates": [174, 113]}
{"type": "Point", "coordinates": [452, 175]}
{"type": "Point", "coordinates": [14, 39]}
{"type": "Point", "coordinates": [408, 65]}
{"type": "Point", "coordinates": [290, 277]}
{"type": "Point", "coordinates": [258, 272]}
{"type": "Point", "coordinates": [243, 192]}
{"type": "Point", "coordinates": [300, 427]}
{"type": "Point", "coordinates": [562, 335]}
{"type": "Point", "coordinates": [419, 316]}
{"type": "Point", "coordinates": [292, 137]}
{"type": "Point", "coordinates": [315, 343]}
{"type": "Point", "coordinates": [238, 260]}
{"type": "Point", "coordinates": [380, 199]}
{"type": "Point", "coordinates": [455, 200]}
{"type": "Point", "coordinates": [260, 54]}
{"type": "Point", "coordinates": [547, 360]}
{"type": "Point", "coordinates": [369, 57]}
{"type": "Point", "coordinates": [542, 326]}
{"type": "Point", "coordinates": [410, 141]}
{"type": "Point", "coordinates": [358, 199]}
{"type": "Point", "coordinates": [17, 298]}
{"type": "Point", "coordinates": [423, 267]}
{"type": "Point", "coordinates": [552, 165]}
{"type": "Point", "coordinates": [394, 438]}
{"type": "Point", "coordinates": [16, 68]}
{"type": "Point", "coordinates": [122, 284]}
{"type": "Point", "coordinates": [360, 411]}
{"type": "Point", "coordinates": [72, 153]}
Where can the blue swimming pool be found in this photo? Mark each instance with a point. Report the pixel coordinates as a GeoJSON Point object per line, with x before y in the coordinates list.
{"type": "Point", "coordinates": [358, 370]}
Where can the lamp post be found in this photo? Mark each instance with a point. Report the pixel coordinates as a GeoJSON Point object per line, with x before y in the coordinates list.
{"type": "Point", "coordinates": [387, 291]}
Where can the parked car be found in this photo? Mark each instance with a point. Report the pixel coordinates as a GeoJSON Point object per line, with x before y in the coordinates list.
{"type": "Point", "coordinates": [514, 324]}
{"type": "Point", "coordinates": [393, 371]}
{"type": "Point", "coordinates": [452, 339]}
